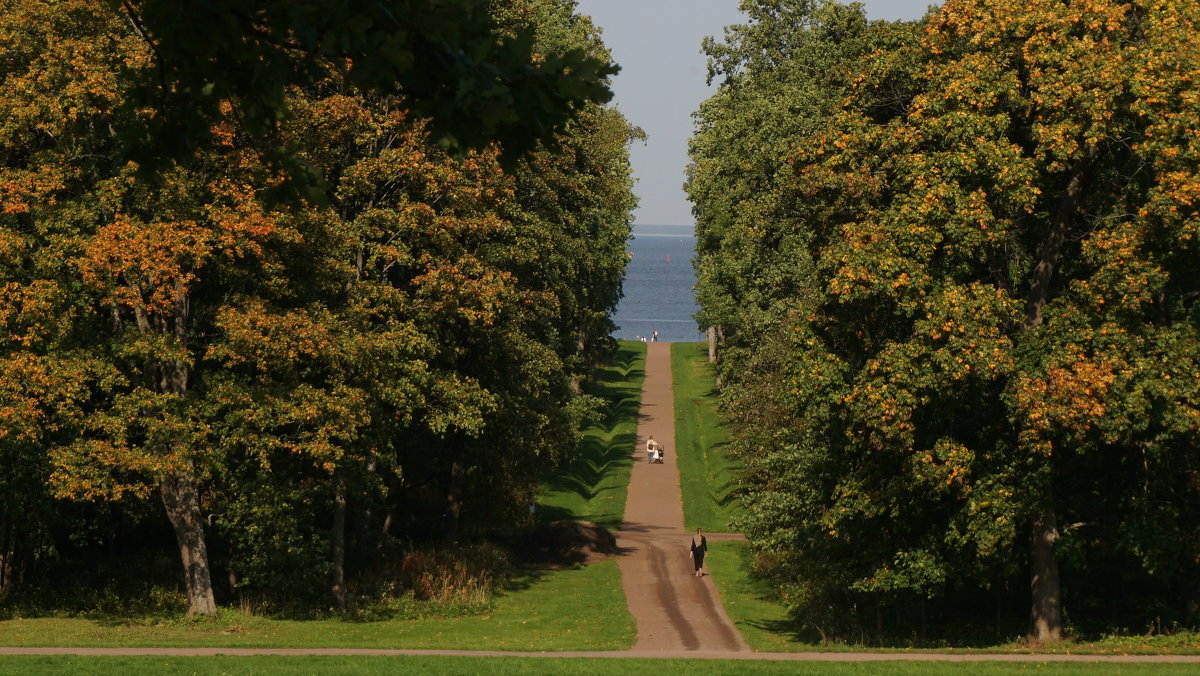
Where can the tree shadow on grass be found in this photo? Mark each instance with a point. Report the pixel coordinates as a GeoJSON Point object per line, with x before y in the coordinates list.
{"type": "Point", "coordinates": [602, 451]}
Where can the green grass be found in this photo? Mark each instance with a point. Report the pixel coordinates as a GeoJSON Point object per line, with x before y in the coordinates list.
{"type": "Point", "coordinates": [593, 487]}
{"type": "Point", "coordinates": [573, 609]}
{"type": "Point", "coordinates": [762, 621]}
{"type": "Point", "coordinates": [705, 470]}
{"type": "Point", "coordinates": [503, 666]}
{"type": "Point", "coordinates": [765, 625]}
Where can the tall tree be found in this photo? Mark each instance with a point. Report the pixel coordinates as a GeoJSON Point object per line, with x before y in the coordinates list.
{"type": "Point", "coordinates": [1000, 306]}
{"type": "Point", "coordinates": [169, 332]}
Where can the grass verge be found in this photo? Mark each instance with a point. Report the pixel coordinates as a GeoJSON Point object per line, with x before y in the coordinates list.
{"type": "Point", "coordinates": [502, 666]}
{"type": "Point", "coordinates": [706, 471]}
{"type": "Point", "coordinates": [762, 621]}
{"type": "Point", "coordinates": [765, 625]}
{"type": "Point", "coordinates": [573, 609]}
{"type": "Point", "coordinates": [593, 487]}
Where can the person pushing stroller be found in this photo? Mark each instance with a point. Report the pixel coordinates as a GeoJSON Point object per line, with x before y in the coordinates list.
{"type": "Point", "coordinates": [654, 451]}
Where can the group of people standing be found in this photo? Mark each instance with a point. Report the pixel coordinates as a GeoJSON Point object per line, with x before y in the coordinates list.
{"type": "Point", "coordinates": [653, 337]}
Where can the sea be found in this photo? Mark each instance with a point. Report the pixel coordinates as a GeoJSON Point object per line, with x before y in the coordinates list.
{"type": "Point", "coordinates": [658, 288]}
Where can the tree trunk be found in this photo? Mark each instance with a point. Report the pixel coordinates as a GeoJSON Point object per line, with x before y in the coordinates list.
{"type": "Point", "coordinates": [1045, 619]}
{"type": "Point", "coordinates": [1050, 248]}
{"type": "Point", "coordinates": [8, 557]}
{"type": "Point", "coordinates": [183, 509]}
{"type": "Point", "coordinates": [576, 382]}
{"type": "Point", "coordinates": [338, 545]}
{"type": "Point", "coordinates": [454, 501]}
{"type": "Point", "coordinates": [711, 334]}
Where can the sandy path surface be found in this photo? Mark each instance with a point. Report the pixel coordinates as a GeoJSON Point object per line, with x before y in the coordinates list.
{"type": "Point", "coordinates": [675, 611]}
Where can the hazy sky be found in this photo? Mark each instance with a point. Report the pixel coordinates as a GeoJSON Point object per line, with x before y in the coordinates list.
{"type": "Point", "coordinates": [657, 44]}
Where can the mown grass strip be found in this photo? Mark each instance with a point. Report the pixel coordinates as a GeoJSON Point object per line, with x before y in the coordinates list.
{"type": "Point", "coordinates": [764, 623]}
{"type": "Point", "coordinates": [749, 602]}
{"type": "Point", "coordinates": [574, 609]}
{"type": "Point", "coordinates": [706, 470]}
{"type": "Point", "coordinates": [503, 666]}
{"type": "Point", "coordinates": [594, 486]}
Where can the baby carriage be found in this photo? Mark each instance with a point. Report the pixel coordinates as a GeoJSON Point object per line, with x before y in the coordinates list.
{"type": "Point", "coordinates": [658, 454]}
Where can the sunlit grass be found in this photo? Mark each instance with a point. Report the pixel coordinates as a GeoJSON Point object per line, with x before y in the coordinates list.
{"type": "Point", "coordinates": [594, 486]}
{"type": "Point", "coordinates": [504, 666]}
{"type": "Point", "coordinates": [706, 471]}
{"type": "Point", "coordinates": [574, 609]}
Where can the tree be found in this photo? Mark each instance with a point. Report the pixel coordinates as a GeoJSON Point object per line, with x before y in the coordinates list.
{"type": "Point", "coordinates": [998, 305]}
{"type": "Point", "coordinates": [447, 58]}
{"type": "Point", "coordinates": [169, 333]}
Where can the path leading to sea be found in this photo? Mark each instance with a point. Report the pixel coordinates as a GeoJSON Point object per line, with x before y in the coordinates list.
{"type": "Point", "coordinates": [674, 609]}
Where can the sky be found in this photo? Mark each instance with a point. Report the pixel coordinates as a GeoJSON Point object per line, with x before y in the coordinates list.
{"type": "Point", "coordinates": [657, 44]}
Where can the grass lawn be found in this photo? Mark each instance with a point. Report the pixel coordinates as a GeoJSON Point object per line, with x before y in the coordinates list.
{"type": "Point", "coordinates": [764, 624]}
{"type": "Point", "coordinates": [502, 666]}
{"type": "Point", "coordinates": [705, 470]}
{"type": "Point", "coordinates": [574, 609]}
{"type": "Point", "coordinates": [594, 486]}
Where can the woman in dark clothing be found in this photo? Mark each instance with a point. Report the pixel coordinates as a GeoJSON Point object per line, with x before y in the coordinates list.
{"type": "Point", "coordinates": [699, 547]}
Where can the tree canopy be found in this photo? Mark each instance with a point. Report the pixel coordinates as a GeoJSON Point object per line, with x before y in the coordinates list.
{"type": "Point", "coordinates": [308, 383]}
{"type": "Point", "coordinates": [962, 339]}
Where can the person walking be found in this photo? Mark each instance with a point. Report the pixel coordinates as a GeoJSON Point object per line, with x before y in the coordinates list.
{"type": "Point", "coordinates": [699, 549]}
{"type": "Point", "coordinates": [651, 447]}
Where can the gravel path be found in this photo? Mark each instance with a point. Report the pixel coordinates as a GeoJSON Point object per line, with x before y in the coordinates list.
{"type": "Point", "coordinates": [674, 609]}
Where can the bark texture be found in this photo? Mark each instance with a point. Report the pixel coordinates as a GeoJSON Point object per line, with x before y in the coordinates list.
{"type": "Point", "coordinates": [182, 501]}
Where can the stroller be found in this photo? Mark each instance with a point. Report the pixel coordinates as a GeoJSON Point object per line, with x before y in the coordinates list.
{"type": "Point", "coordinates": [658, 454]}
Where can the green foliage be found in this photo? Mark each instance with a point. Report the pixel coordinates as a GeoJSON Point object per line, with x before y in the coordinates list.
{"type": "Point", "coordinates": [474, 82]}
{"type": "Point", "coordinates": [313, 381]}
{"type": "Point", "coordinates": [982, 320]}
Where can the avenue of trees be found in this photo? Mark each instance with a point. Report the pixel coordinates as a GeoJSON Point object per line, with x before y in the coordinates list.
{"type": "Point", "coordinates": [320, 279]}
{"type": "Point", "coordinates": [954, 266]}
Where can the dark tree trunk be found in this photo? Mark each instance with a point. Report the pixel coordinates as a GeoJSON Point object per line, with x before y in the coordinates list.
{"type": "Point", "coordinates": [454, 501]}
{"type": "Point", "coordinates": [1050, 248]}
{"type": "Point", "coordinates": [9, 555]}
{"type": "Point", "coordinates": [1045, 623]}
{"type": "Point", "coordinates": [1045, 619]}
{"type": "Point", "coordinates": [879, 620]}
{"type": "Point", "coordinates": [338, 545]}
{"type": "Point", "coordinates": [183, 509]}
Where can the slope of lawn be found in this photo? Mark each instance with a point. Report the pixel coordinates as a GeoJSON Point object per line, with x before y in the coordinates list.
{"type": "Point", "coordinates": [574, 609]}
{"type": "Point", "coordinates": [593, 487]}
{"type": "Point", "coordinates": [705, 468]}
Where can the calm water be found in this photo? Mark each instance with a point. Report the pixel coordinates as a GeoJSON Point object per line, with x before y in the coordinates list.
{"type": "Point", "coordinates": [658, 285]}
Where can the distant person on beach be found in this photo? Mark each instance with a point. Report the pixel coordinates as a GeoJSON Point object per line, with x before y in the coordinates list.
{"type": "Point", "coordinates": [651, 447]}
{"type": "Point", "coordinates": [699, 548]}
{"type": "Point", "coordinates": [655, 338]}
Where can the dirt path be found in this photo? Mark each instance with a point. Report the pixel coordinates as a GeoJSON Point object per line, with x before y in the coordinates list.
{"type": "Point", "coordinates": [675, 611]}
